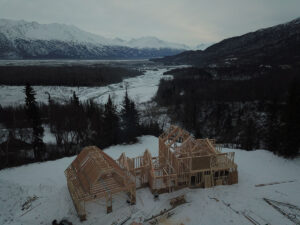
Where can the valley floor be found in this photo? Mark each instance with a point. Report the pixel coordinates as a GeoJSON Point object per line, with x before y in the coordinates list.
{"type": "Point", "coordinates": [140, 89]}
{"type": "Point", "coordinates": [47, 182]}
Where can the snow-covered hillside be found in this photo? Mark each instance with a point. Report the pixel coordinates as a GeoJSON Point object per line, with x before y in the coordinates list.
{"type": "Point", "coordinates": [203, 46]}
{"type": "Point", "coordinates": [20, 29]}
{"type": "Point", "coordinates": [217, 205]}
{"type": "Point", "coordinates": [31, 40]}
{"type": "Point", "coordinates": [153, 42]}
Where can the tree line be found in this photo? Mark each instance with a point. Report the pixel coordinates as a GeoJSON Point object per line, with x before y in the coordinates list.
{"type": "Point", "coordinates": [64, 75]}
{"type": "Point", "coordinates": [262, 111]}
{"type": "Point", "coordinates": [74, 125]}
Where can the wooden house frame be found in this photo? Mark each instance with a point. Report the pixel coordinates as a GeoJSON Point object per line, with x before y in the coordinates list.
{"type": "Point", "coordinates": [93, 175]}
{"type": "Point", "coordinates": [182, 161]}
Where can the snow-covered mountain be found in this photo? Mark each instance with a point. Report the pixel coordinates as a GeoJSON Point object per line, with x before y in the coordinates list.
{"type": "Point", "coordinates": [21, 29]}
{"type": "Point", "coordinates": [22, 39]}
{"type": "Point", "coordinates": [275, 45]}
{"type": "Point", "coordinates": [153, 42]}
{"type": "Point", "coordinates": [203, 46]}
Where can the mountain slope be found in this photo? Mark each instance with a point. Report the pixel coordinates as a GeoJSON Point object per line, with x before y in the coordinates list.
{"type": "Point", "coordinates": [14, 30]}
{"type": "Point", "coordinates": [278, 44]}
{"type": "Point", "coordinates": [203, 46]}
{"type": "Point", "coordinates": [153, 42]}
{"type": "Point", "coordinates": [21, 39]}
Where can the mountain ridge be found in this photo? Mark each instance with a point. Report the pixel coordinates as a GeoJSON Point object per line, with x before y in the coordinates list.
{"type": "Point", "coordinates": [21, 29]}
{"type": "Point", "coordinates": [276, 44]}
{"type": "Point", "coordinates": [30, 40]}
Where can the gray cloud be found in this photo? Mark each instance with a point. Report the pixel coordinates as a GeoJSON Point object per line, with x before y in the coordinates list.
{"type": "Point", "coordinates": [186, 21]}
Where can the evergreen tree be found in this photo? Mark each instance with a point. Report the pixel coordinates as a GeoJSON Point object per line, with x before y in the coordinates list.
{"type": "Point", "coordinates": [130, 120]}
{"type": "Point", "coordinates": [273, 123]}
{"type": "Point", "coordinates": [34, 120]}
{"type": "Point", "coordinates": [111, 124]}
{"type": "Point", "coordinates": [248, 135]}
{"type": "Point", "coordinates": [78, 121]}
{"type": "Point", "coordinates": [291, 122]}
{"type": "Point", "coordinates": [75, 99]}
{"type": "Point", "coordinates": [227, 130]}
{"type": "Point", "coordinates": [190, 114]}
{"type": "Point", "coordinates": [96, 121]}
{"type": "Point", "coordinates": [134, 121]}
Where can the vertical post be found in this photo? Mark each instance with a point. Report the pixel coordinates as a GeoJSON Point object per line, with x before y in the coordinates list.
{"type": "Point", "coordinates": [109, 204]}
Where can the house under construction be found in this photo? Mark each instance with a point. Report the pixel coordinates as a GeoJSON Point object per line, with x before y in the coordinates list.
{"type": "Point", "coordinates": [93, 175]}
{"type": "Point", "coordinates": [182, 161]}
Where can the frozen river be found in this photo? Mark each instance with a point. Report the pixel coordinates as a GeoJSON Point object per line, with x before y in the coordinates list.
{"type": "Point", "coordinates": [141, 88]}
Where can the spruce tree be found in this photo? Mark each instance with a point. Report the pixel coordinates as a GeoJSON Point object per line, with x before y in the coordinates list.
{"type": "Point", "coordinates": [34, 121]}
{"type": "Point", "coordinates": [249, 135]}
{"type": "Point", "coordinates": [111, 123]}
{"type": "Point", "coordinates": [75, 99]}
{"type": "Point", "coordinates": [96, 121]}
{"type": "Point", "coordinates": [291, 122]}
{"type": "Point", "coordinates": [130, 120]}
{"type": "Point", "coordinates": [273, 123]}
{"type": "Point", "coordinates": [134, 121]}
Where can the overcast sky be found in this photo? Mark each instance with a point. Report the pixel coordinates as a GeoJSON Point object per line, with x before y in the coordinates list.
{"type": "Point", "coordinates": [184, 21]}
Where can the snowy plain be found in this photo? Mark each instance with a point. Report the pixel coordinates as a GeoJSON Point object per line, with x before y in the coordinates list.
{"type": "Point", "coordinates": [47, 181]}
{"type": "Point", "coordinates": [140, 88]}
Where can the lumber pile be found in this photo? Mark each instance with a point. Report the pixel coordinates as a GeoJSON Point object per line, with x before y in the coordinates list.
{"type": "Point", "coordinates": [177, 201]}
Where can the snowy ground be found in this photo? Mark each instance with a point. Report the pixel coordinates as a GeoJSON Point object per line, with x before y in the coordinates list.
{"type": "Point", "coordinates": [46, 181]}
{"type": "Point", "coordinates": [141, 89]}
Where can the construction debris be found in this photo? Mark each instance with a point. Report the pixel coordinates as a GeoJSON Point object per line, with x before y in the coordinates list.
{"type": "Point", "coordinates": [160, 219]}
{"type": "Point", "coordinates": [254, 218]}
{"type": "Point", "coordinates": [166, 213]}
{"type": "Point", "coordinates": [249, 215]}
{"type": "Point", "coordinates": [217, 200]}
{"type": "Point", "coordinates": [282, 182]}
{"type": "Point", "coordinates": [290, 211]}
{"type": "Point", "coordinates": [253, 221]}
{"type": "Point", "coordinates": [229, 206]}
{"type": "Point", "coordinates": [31, 209]}
{"type": "Point", "coordinates": [26, 205]}
{"type": "Point", "coordinates": [62, 222]}
{"type": "Point", "coordinates": [122, 222]}
{"type": "Point", "coordinates": [136, 223]}
{"type": "Point", "coordinates": [177, 201]}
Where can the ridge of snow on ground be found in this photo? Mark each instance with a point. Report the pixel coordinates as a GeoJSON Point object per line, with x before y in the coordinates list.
{"type": "Point", "coordinates": [47, 181]}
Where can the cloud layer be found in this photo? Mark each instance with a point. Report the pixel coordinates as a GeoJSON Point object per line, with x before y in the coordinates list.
{"type": "Point", "coordinates": [186, 21]}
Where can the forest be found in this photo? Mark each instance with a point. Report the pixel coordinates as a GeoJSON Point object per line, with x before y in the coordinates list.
{"type": "Point", "coordinates": [64, 75]}
{"type": "Point", "coordinates": [260, 111]}
{"type": "Point", "coordinates": [74, 125]}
